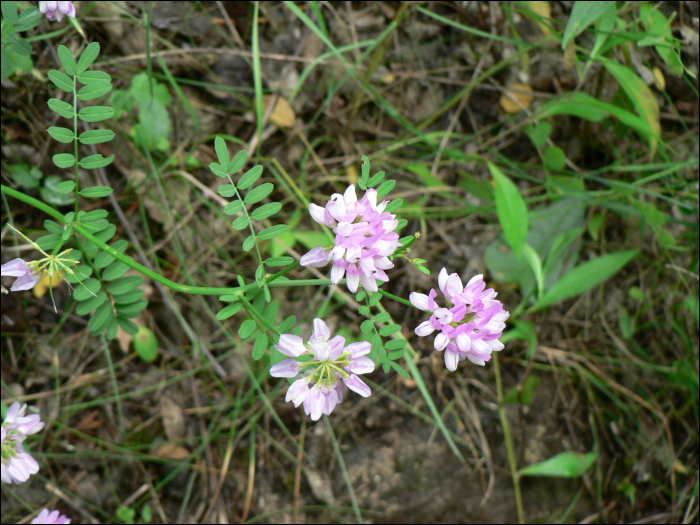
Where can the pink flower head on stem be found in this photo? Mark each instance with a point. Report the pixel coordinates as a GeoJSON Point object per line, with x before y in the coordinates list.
{"type": "Point", "coordinates": [471, 324]}
{"type": "Point", "coordinates": [17, 464]}
{"type": "Point", "coordinates": [57, 10]}
{"type": "Point", "coordinates": [51, 518]}
{"type": "Point", "coordinates": [333, 366]}
{"type": "Point", "coordinates": [28, 276]}
{"type": "Point", "coordinates": [364, 239]}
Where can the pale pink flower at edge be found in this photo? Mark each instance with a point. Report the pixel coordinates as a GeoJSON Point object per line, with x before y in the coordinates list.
{"type": "Point", "coordinates": [53, 517]}
{"type": "Point", "coordinates": [17, 464]}
{"type": "Point", "coordinates": [333, 367]}
{"type": "Point", "coordinates": [471, 324]}
{"type": "Point", "coordinates": [57, 10]}
{"type": "Point", "coordinates": [27, 275]}
{"type": "Point", "coordinates": [364, 240]}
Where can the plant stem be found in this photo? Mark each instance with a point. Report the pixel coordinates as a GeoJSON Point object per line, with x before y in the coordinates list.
{"type": "Point", "coordinates": [510, 446]}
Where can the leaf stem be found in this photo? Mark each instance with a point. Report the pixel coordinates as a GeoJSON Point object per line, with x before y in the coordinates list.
{"type": "Point", "coordinates": [510, 446]}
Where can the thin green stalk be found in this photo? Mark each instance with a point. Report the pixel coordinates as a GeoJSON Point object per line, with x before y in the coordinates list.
{"type": "Point", "coordinates": [510, 446]}
{"type": "Point", "coordinates": [344, 469]}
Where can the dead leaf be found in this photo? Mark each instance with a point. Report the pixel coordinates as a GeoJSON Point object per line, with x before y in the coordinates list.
{"type": "Point", "coordinates": [351, 174]}
{"type": "Point", "coordinates": [545, 11]}
{"type": "Point", "coordinates": [43, 286]}
{"type": "Point", "coordinates": [171, 451]}
{"type": "Point", "coordinates": [516, 98]}
{"type": "Point", "coordinates": [569, 55]}
{"type": "Point", "coordinates": [321, 486]}
{"type": "Point", "coordinates": [173, 419]}
{"type": "Point", "coordinates": [283, 115]}
{"type": "Point", "coordinates": [659, 79]}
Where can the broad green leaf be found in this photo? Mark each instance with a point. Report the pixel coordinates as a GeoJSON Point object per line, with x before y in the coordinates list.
{"type": "Point", "coordinates": [568, 464]}
{"type": "Point", "coordinates": [95, 161]}
{"type": "Point", "coordinates": [141, 90]}
{"type": "Point", "coordinates": [9, 13]}
{"type": "Point", "coordinates": [249, 243]}
{"type": "Point", "coordinates": [238, 162]}
{"type": "Point", "coordinates": [511, 209]}
{"type": "Point", "coordinates": [87, 289]}
{"type": "Point", "coordinates": [125, 284]}
{"type": "Point", "coordinates": [365, 168]}
{"type": "Point", "coordinates": [63, 135]}
{"type": "Point", "coordinates": [535, 263]}
{"type": "Point", "coordinates": [96, 136]}
{"type": "Point", "coordinates": [115, 270]}
{"type": "Point", "coordinates": [20, 45]}
{"type": "Point", "coordinates": [394, 205]}
{"type": "Point", "coordinates": [247, 328]}
{"type": "Point", "coordinates": [102, 316]}
{"type": "Point", "coordinates": [261, 343]}
{"type": "Point", "coordinates": [132, 311]}
{"type": "Point", "coordinates": [641, 96]}
{"type": "Point", "coordinates": [104, 259]}
{"type": "Point", "coordinates": [229, 311]}
{"type": "Point", "coordinates": [96, 191]}
{"type": "Point", "coordinates": [400, 370]}
{"type": "Point", "coordinates": [94, 77]}
{"type": "Point", "coordinates": [26, 176]}
{"type": "Point", "coordinates": [366, 326]}
{"type": "Point", "coordinates": [27, 19]}
{"type": "Point", "coordinates": [93, 91]}
{"type": "Point", "coordinates": [582, 15]}
{"type": "Point", "coordinates": [272, 232]}
{"type": "Point", "coordinates": [218, 170]}
{"type": "Point", "coordinates": [91, 304]}
{"type": "Point", "coordinates": [385, 189]}
{"type": "Point", "coordinates": [91, 52]}
{"type": "Point", "coordinates": [279, 261]}
{"type": "Point", "coordinates": [154, 123]}
{"type": "Point", "coordinates": [146, 344]}
{"type": "Point", "coordinates": [95, 113]}
{"type": "Point", "coordinates": [388, 330]}
{"type": "Point", "coordinates": [657, 24]}
{"type": "Point", "coordinates": [585, 276]}
{"type": "Point", "coordinates": [129, 297]}
{"type": "Point", "coordinates": [67, 60]}
{"type": "Point", "coordinates": [259, 193]}
{"type": "Point", "coordinates": [397, 354]}
{"type": "Point", "coordinates": [128, 325]}
{"type": "Point", "coordinates": [227, 190]}
{"type": "Point", "coordinates": [241, 222]}
{"type": "Point", "coordinates": [250, 176]}
{"type": "Point", "coordinates": [61, 80]}
{"type": "Point", "coordinates": [605, 27]}
{"type": "Point", "coordinates": [554, 158]}
{"type": "Point", "coordinates": [48, 242]}
{"type": "Point", "coordinates": [66, 187]}
{"type": "Point", "coordinates": [395, 344]}
{"type": "Point", "coordinates": [61, 107]}
{"type": "Point", "coordinates": [539, 134]}
{"type": "Point", "coordinates": [221, 151]}
{"type": "Point", "coordinates": [376, 179]}
{"type": "Point", "coordinates": [53, 227]}
{"type": "Point", "coordinates": [232, 208]}
{"type": "Point", "coordinates": [50, 193]}
{"type": "Point", "coordinates": [265, 211]}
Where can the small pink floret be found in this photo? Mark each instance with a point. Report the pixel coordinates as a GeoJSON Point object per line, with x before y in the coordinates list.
{"type": "Point", "coordinates": [471, 324]}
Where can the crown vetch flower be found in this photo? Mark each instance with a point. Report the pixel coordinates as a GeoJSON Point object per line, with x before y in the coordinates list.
{"type": "Point", "coordinates": [17, 464]}
{"type": "Point", "coordinates": [333, 367]}
{"type": "Point", "coordinates": [28, 276]}
{"type": "Point", "coordinates": [470, 325]}
{"type": "Point", "coordinates": [57, 10]}
{"type": "Point", "coordinates": [364, 239]}
{"type": "Point", "coordinates": [51, 518]}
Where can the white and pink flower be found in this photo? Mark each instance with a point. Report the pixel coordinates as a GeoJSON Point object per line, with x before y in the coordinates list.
{"type": "Point", "coordinates": [17, 464]}
{"type": "Point", "coordinates": [28, 275]}
{"type": "Point", "coordinates": [364, 240]}
{"type": "Point", "coordinates": [333, 367]}
{"type": "Point", "coordinates": [470, 326]}
{"type": "Point", "coordinates": [57, 10]}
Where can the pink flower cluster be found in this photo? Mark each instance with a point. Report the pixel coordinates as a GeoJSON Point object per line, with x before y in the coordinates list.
{"type": "Point", "coordinates": [17, 464]}
{"type": "Point", "coordinates": [57, 10]}
{"type": "Point", "coordinates": [364, 239]}
{"type": "Point", "coordinates": [51, 518]}
{"type": "Point", "coordinates": [27, 276]}
{"type": "Point", "coordinates": [333, 367]}
{"type": "Point", "coordinates": [470, 325]}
